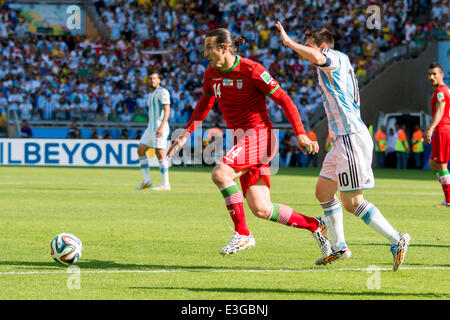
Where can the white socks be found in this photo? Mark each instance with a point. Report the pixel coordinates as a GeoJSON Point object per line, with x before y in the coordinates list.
{"type": "Point", "coordinates": [335, 222]}
{"type": "Point", "coordinates": [164, 170]}
{"type": "Point", "coordinates": [366, 211]}
{"type": "Point", "coordinates": [143, 161]}
{"type": "Point", "coordinates": [373, 217]}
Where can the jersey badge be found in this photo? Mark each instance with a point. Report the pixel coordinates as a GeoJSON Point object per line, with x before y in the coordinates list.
{"type": "Point", "coordinates": [266, 77]}
{"type": "Point", "coordinates": [227, 82]}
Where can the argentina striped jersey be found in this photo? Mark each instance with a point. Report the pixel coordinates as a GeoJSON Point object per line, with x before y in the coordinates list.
{"type": "Point", "coordinates": [340, 94]}
{"type": "Point", "coordinates": [155, 102]}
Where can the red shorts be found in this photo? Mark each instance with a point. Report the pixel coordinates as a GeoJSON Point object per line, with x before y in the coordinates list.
{"type": "Point", "coordinates": [252, 152]}
{"type": "Point", "coordinates": [440, 147]}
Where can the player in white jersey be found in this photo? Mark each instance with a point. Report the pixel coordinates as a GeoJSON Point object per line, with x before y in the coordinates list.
{"type": "Point", "coordinates": [156, 134]}
{"type": "Point", "coordinates": [347, 167]}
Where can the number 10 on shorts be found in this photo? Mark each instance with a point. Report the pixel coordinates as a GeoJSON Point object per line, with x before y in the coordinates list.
{"type": "Point", "coordinates": [343, 179]}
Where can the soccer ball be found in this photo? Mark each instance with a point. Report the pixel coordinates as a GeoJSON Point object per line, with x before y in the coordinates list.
{"type": "Point", "coordinates": [65, 249]}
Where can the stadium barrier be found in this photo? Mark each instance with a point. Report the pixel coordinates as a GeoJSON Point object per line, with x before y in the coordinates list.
{"type": "Point", "coordinates": [71, 152]}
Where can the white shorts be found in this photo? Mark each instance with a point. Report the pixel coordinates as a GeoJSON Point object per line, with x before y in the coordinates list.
{"type": "Point", "coordinates": [349, 162]}
{"type": "Point", "coordinates": [150, 139]}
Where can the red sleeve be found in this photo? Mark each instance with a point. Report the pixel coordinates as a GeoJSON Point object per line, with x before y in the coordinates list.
{"type": "Point", "coordinates": [203, 106]}
{"type": "Point", "coordinates": [200, 112]}
{"type": "Point", "coordinates": [270, 87]}
{"type": "Point", "coordinates": [280, 97]}
{"type": "Point", "coordinates": [207, 88]}
{"type": "Point", "coordinates": [263, 80]}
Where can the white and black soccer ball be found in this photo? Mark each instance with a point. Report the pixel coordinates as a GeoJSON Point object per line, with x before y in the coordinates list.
{"type": "Point", "coordinates": [65, 249]}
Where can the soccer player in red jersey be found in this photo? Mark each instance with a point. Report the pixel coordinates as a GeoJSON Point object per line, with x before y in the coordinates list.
{"type": "Point", "coordinates": [438, 133]}
{"type": "Point", "coordinates": [241, 86]}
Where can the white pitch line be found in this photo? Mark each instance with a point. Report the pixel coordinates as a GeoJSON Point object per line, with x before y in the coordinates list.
{"type": "Point", "coordinates": [216, 271]}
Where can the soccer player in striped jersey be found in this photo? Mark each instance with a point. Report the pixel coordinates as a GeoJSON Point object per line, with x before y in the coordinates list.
{"type": "Point", "coordinates": [347, 167]}
{"type": "Point", "coordinates": [241, 86]}
{"type": "Point", "coordinates": [438, 133]}
{"type": "Point", "coordinates": [156, 134]}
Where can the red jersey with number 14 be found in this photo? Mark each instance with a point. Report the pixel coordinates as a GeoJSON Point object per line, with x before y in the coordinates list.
{"type": "Point", "coordinates": [442, 96]}
{"type": "Point", "coordinates": [241, 93]}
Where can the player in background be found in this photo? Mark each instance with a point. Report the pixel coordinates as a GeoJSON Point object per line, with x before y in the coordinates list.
{"type": "Point", "coordinates": [156, 134]}
{"type": "Point", "coordinates": [347, 167]}
{"type": "Point", "coordinates": [438, 133]}
{"type": "Point", "coordinates": [241, 86]}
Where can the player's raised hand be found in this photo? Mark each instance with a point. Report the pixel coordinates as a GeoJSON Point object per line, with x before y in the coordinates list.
{"type": "Point", "coordinates": [307, 145]}
{"type": "Point", "coordinates": [283, 34]}
{"type": "Point", "coordinates": [177, 144]}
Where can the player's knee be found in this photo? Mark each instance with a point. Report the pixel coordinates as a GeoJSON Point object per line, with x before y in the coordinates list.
{"type": "Point", "coordinates": [261, 211]}
{"type": "Point", "coordinates": [141, 150]}
{"type": "Point", "coordinates": [321, 195]}
{"type": "Point", "coordinates": [219, 175]}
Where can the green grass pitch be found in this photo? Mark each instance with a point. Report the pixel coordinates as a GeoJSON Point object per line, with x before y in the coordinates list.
{"type": "Point", "coordinates": [165, 245]}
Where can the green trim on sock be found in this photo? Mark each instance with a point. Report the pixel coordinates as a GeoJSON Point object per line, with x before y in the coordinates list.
{"type": "Point", "coordinates": [228, 191]}
{"type": "Point", "coordinates": [444, 173]}
{"type": "Point", "coordinates": [275, 212]}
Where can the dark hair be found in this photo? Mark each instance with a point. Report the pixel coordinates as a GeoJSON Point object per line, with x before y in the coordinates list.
{"type": "Point", "coordinates": [435, 65]}
{"type": "Point", "coordinates": [224, 36]}
{"type": "Point", "coordinates": [320, 36]}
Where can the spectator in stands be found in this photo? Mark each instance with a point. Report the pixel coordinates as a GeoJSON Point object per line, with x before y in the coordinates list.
{"type": "Point", "coordinates": [276, 115]}
{"type": "Point", "coordinates": [36, 115]}
{"type": "Point", "coordinates": [90, 108]}
{"type": "Point", "coordinates": [288, 145]}
{"type": "Point", "coordinates": [14, 100]}
{"type": "Point", "coordinates": [125, 116]}
{"type": "Point", "coordinates": [402, 146]}
{"type": "Point", "coordinates": [61, 109]}
{"type": "Point", "coordinates": [100, 116]}
{"type": "Point", "coordinates": [106, 135]}
{"type": "Point", "coordinates": [25, 130]}
{"type": "Point", "coordinates": [26, 108]}
{"type": "Point", "coordinates": [3, 120]}
{"type": "Point", "coordinates": [113, 116]}
{"type": "Point", "coordinates": [138, 135]}
{"type": "Point", "coordinates": [140, 117]}
{"type": "Point", "coordinates": [391, 156]}
{"type": "Point", "coordinates": [74, 132]}
{"type": "Point", "coordinates": [312, 157]}
{"type": "Point", "coordinates": [124, 134]}
{"type": "Point", "coordinates": [3, 101]}
{"type": "Point", "coordinates": [94, 134]}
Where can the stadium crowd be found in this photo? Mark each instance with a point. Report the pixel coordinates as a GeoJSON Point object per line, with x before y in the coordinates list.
{"type": "Point", "coordinates": [105, 79]}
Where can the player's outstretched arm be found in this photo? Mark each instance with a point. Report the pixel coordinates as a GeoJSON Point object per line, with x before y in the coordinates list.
{"type": "Point", "coordinates": [200, 112]}
{"type": "Point", "coordinates": [178, 143]}
{"type": "Point", "coordinates": [312, 54]}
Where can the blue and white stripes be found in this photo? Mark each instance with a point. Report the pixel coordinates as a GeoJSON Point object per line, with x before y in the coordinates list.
{"type": "Point", "coordinates": [340, 93]}
{"type": "Point", "coordinates": [365, 211]}
{"type": "Point", "coordinates": [373, 218]}
{"type": "Point", "coordinates": [331, 207]}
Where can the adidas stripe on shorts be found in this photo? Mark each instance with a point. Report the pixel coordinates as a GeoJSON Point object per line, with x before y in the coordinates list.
{"type": "Point", "coordinates": [349, 162]}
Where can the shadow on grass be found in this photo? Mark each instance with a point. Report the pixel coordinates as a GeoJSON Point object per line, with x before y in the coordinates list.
{"type": "Point", "coordinates": [87, 265]}
{"type": "Point", "coordinates": [111, 265]}
{"type": "Point", "coordinates": [373, 293]}
{"type": "Point", "coordinates": [422, 245]}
